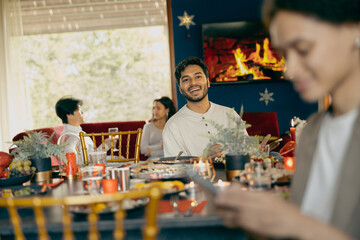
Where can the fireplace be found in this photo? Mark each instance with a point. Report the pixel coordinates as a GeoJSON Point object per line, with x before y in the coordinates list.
{"type": "Point", "coordinates": [240, 51]}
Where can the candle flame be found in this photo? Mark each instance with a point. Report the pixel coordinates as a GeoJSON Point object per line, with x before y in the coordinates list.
{"type": "Point", "coordinates": [192, 184]}
{"type": "Point", "coordinates": [220, 183]}
{"type": "Point", "coordinates": [289, 162]}
{"type": "Point", "coordinates": [292, 122]}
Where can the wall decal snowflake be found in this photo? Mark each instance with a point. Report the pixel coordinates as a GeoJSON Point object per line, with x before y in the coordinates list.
{"type": "Point", "coordinates": [266, 96]}
{"type": "Point", "coordinates": [186, 20]}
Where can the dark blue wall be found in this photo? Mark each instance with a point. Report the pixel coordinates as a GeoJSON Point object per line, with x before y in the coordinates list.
{"type": "Point", "coordinates": [287, 102]}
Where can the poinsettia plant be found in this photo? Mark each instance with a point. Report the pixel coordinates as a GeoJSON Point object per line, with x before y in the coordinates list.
{"type": "Point", "coordinates": [37, 145]}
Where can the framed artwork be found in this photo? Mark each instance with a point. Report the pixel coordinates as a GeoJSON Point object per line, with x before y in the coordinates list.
{"type": "Point", "coordinates": [240, 51]}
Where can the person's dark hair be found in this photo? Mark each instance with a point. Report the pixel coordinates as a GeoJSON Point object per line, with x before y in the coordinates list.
{"type": "Point", "coordinates": [333, 11]}
{"type": "Point", "coordinates": [169, 104]}
{"type": "Point", "coordinates": [67, 106]}
{"type": "Point", "coordinates": [190, 61]}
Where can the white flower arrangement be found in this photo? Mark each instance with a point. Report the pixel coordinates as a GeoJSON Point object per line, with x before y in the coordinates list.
{"type": "Point", "coordinates": [233, 141]}
{"type": "Point", "coordinates": [299, 124]}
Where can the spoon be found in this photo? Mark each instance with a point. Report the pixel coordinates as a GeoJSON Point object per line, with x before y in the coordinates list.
{"type": "Point", "coordinates": [177, 156]}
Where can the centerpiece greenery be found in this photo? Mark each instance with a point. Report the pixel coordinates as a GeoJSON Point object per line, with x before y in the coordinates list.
{"type": "Point", "coordinates": [234, 140]}
{"type": "Point", "coordinates": [37, 147]}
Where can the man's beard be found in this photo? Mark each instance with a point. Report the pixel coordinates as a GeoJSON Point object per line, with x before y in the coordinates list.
{"type": "Point", "coordinates": [190, 99]}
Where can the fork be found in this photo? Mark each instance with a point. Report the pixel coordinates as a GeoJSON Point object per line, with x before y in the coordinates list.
{"type": "Point", "coordinates": [174, 201]}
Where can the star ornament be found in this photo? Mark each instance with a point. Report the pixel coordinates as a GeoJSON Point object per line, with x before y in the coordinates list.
{"type": "Point", "coordinates": [266, 97]}
{"type": "Point", "coordinates": [186, 20]}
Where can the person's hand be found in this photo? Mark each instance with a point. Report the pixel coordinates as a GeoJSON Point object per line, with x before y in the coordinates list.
{"type": "Point", "coordinates": [216, 151]}
{"type": "Point", "coordinates": [108, 142]}
{"type": "Point", "coordinates": [261, 213]}
{"type": "Point", "coordinates": [148, 154]}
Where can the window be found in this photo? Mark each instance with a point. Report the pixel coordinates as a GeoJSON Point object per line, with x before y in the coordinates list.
{"type": "Point", "coordinates": [114, 55]}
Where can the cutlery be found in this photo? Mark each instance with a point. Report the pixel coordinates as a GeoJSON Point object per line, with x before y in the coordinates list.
{"type": "Point", "coordinates": [283, 153]}
{"type": "Point", "coordinates": [177, 156]}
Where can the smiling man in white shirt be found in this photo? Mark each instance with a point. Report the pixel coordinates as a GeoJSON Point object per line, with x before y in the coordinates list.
{"type": "Point", "coordinates": [188, 130]}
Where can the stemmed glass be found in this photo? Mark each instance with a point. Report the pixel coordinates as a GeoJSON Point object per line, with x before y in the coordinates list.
{"type": "Point", "coordinates": [111, 130]}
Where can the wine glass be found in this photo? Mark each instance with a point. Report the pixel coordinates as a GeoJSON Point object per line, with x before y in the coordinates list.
{"type": "Point", "coordinates": [112, 130]}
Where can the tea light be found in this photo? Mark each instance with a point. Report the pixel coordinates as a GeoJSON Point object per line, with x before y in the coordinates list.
{"type": "Point", "coordinates": [191, 188]}
{"type": "Point", "coordinates": [289, 163]}
{"type": "Point", "coordinates": [222, 185]}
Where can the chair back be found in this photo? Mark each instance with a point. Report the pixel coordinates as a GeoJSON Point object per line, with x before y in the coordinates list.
{"type": "Point", "coordinates": [39, 204]}
{"type": "Point", "coordinates": [128, 142]}
{"type": "Point", "coordinates": [262, 123]}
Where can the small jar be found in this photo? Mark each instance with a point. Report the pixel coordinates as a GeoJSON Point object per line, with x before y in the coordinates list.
{"type": "Point", "coordinates": [71, 168]}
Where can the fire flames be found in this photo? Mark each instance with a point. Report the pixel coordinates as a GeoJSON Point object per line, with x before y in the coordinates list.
{"type": "Point", "coordinates": [253, 65]}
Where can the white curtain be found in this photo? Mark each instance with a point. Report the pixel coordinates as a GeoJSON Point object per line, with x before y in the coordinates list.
{"type": "Point", "coordinates": [14, 107]}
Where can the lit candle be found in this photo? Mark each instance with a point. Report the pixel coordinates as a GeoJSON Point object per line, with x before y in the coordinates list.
{"type": "Point", "coordinates": [191, 188]}
{"type": "Point", "coordinates": [292, 130]}
{"type": "Point", "coordinates": [289, 163]}
{"type": "Point", "coordinates": [201, 168]}
{"type": "Point", "coordinates": [221, 185]}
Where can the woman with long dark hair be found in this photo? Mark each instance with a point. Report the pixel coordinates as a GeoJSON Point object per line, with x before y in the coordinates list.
{"type": "Point", "coordinates": [151, 140]}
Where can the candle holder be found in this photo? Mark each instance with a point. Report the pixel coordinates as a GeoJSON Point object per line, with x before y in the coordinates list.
{"type": "Point", "coordinates": [222, 185]}
{"type": "Point", "coordinates": [289, 163]}
{"type": "Point", "coordinates": [204, 167]}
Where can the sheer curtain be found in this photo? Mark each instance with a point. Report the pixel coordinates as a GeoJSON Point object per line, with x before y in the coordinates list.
{"type": "Point", "coordinates": [14, 107]}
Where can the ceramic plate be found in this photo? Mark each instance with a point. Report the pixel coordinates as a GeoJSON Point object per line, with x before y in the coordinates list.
{"type": "Point", "coordinates": [127, 204]}
{"type": "Point", "coordinates": [4, 182]}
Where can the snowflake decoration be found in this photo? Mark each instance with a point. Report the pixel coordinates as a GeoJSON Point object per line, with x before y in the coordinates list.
{"type": "Point", "coordinates": [186, 20]}
{"type": "Point", "coordinates": [266, 96]}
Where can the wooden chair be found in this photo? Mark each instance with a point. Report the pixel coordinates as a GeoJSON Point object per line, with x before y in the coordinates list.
{"type": "Point", "coordinates": [38, 204]}
{"type": "Point", "coordinates": [128, 144]}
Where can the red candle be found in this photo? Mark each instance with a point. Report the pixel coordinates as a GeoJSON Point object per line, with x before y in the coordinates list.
{"type": "Point", "coordinates": [110, 185]}
{"type": "Point", "coordinates": [292, 130]}
{"type": "Point", "coordinates": [71, 168]}
{"type": "Point", "coordinates": [289, 163]}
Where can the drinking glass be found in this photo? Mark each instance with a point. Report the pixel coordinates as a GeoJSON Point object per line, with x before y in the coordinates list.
{"type": "Point", "coordinates": [91, 177]}
{"type": "Point", "coordinates": [98, 159]}
{"type": "Point", "coordinates": [259, 176]}
{"type": "Point", "coordinates": [111, 130]}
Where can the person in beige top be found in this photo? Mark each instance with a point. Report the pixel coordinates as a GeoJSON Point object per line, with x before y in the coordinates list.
{"type": "Point", "coordinates": [320, 41]}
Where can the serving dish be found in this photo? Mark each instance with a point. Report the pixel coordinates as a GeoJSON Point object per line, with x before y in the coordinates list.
{"type": "Point", "coordinates": [4, 182]}
{"type": "Point", "coordinates": [159, 171]}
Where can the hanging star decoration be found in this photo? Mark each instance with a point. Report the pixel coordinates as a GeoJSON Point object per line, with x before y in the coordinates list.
{"type": "Point", "coordinates": [266, 97]}
{"type": "Point", "coordinates": [186, 20]}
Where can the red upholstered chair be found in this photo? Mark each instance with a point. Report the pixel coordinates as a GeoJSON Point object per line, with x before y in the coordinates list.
{"type": "Point", "coordinates": [262, 123]}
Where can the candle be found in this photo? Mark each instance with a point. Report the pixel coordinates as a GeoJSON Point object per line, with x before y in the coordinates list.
{"type": "Point", "coordinates": [221, 185]}
{"type": "Point", "coordinates": [110, 185]}
{"type": "Point", "coordinates": [292, 130]}
{"type": "Point", "coordinates": [191, 188]}
{"type": "Point", "coordinates": [289, 163]}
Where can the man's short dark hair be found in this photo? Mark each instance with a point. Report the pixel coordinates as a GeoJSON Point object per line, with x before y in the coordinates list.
{"type": "Point", "coordinates": [67, 106]}
{"type": "Point", "coordinates": [190, 61]}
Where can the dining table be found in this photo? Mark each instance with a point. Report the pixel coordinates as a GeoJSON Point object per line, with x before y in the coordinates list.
{"type": "Point", "coordinates": [201, 224]}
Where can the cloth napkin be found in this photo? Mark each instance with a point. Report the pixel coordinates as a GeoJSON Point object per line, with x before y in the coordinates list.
{"type": "Point", "coordinates": [165, 206]}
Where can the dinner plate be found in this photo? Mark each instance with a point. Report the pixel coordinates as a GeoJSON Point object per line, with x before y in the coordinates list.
{"type": "Point", "coordinates": [180, 160]}
{"type": "Point", "coordinates": [110, 208]}
{"type": "Point", "coordinates": [4, 182]}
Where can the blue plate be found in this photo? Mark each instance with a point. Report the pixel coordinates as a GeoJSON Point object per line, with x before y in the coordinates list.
{"type": "Point", "coordinates": [4, 182]}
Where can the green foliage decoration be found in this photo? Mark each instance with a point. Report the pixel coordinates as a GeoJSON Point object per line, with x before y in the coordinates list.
{"type": "Point", "coordinates": [233, 140]}
{"type": "Point", "coordinates": [37, 145]}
